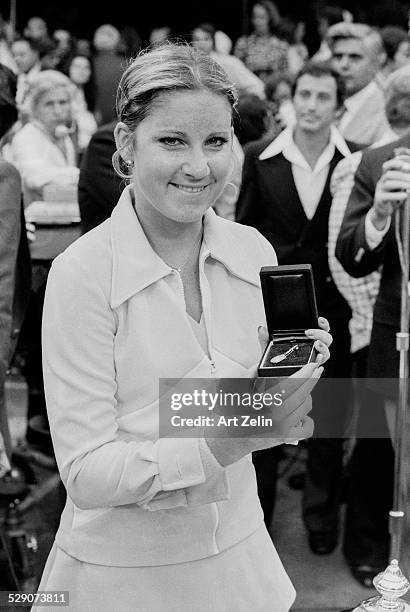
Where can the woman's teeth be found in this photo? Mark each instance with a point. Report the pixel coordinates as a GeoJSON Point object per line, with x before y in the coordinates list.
{"type": "Point", "coordinates": [190, 189]}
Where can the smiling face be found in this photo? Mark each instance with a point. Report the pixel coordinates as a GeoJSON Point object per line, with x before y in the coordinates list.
{"type": "Point", "coordinates": [315, 102]}
{"type": "Point", "coordinates": [182, 154]}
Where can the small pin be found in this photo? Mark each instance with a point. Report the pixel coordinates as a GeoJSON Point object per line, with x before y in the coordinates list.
{"type": "Point", "coordinates": [283, 356]}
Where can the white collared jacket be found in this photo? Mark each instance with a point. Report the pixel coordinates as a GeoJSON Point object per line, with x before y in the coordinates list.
{"type": "Point", "coordinates": [114, 324]}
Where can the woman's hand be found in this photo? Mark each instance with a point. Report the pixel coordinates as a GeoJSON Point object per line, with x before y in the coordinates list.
{"type": "Point", "coordinates": [322, 340]}
{"type": "Point", "coordinates": [290, 420]}
{"type": "Point", "coordinates": [321, 336]}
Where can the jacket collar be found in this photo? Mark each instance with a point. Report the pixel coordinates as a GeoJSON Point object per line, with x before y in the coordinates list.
{"type": "Point", "coordinates": [285, 140]}
{"type": "Point", "coordinates": [136, 265]}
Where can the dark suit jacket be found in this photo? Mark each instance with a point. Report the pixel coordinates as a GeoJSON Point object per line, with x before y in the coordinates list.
{"type": "Point", "coordinates": [99, 187]}
{"type": "Point", "coordinates": [270, 202]}
{"type": "Point", "coordinates": [15, 274]}
{"type": "Point", "coordinates": [352, 249]}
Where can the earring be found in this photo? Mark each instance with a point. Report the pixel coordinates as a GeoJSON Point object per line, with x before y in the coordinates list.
{"type": "Point", "coordinates": [129, 163]}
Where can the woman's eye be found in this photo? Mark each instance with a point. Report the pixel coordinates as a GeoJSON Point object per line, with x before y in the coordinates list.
{"type": "Point", "coordinates": [217, 141]}
{"type": "Point", "coordinates": [170, 141]}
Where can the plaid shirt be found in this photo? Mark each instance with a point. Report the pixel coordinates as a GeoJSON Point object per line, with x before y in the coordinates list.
{"type": "Point", "coordinates": [264, 55]}
{"type": "Point", "coordinates": [360, 293]}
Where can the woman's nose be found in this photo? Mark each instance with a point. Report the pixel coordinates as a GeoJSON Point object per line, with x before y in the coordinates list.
{"type": "Point", "coordinates": [196, 166]}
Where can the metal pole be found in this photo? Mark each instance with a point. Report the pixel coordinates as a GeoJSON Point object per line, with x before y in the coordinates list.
{"type": "Point", "coordinates": [245, 18]}
{"type": "Point", "coordinates": [392, 584]}
{"type": "Point", "coordinates": [13, 18]}
{"type": "Point", "coordinates": [397, 514]}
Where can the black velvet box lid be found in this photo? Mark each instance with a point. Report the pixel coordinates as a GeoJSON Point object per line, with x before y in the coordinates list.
{"type": "Point", "coordinates": [290, 307]}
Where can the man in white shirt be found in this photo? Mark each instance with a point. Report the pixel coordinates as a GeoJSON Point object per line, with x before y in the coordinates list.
{"type": "Point", "coordinates": [285, 194]}
{"type": "Point", "coordinates": [357, 55]}
{"type": "Point", "coordinates": [27, 58]}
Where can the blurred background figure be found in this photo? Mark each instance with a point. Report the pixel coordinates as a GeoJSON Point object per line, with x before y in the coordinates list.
{"type": "Point", "coordinates": [294, 33]}
{"type": "Point", "coordinates": [278, 90]}
{"type": "Point", "coordinates": [262, 51]}
{"type": "Point", "coordinates": [159, 35]}
{"type": "Point", "coordinates": [131, 41]}
{"type": "Point", "coordinates": [27, 58]}
{"type": "Point", "coordinates": [6, 56]}
{"type": "Point", "coordinates": [203, 38]}
{"type": "Point", "coordinates": [80, 71]}
{"type": "Point", "coordinates": [223, 44]}
{"type": "Point", "coordinates": [326, 17]}
{"type": "Point", "coordinates": [37, 31]}
{"type": "Point", "coordinates": [15, 268]}
{"type": "Point", "coordinates": [369, 492]}
{"type": "Point", "coordinates": [253, 120]}
{"type": "Point", "coordinates": [42, 149]}
{"type": "Point", "coordinates": [358, 55]}
{"type": "Point", "coordinates": [49, 56]}
{"type": "Point", "coordinates": [83, 46]}
{"type": "Point", "coordinates": [108, 67]}
{"type": "Point", "coordinates": [99, 186]}
{"type": "Point", "coordinates": [65, 46]}
{"type": "Point", "coordinates": [396, 43]}
{"type": "Point", "coordinates": [44, 152]}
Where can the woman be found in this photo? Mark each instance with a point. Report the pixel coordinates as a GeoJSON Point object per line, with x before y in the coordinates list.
{"type": "Point", "coordinates": [164, 288]}
{"type": "Point", "coordinates": [80, 71]}
{"type": "Point", "coordinates": [262, 51]}
{"type": "Point", "coordinates": [42, 149]}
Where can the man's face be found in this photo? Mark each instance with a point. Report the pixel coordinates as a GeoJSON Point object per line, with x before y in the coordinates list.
{"type": "Point", "coordinates": [315, 102]}
{"type": "Point", "coordinates": [24, 56]}
{"type": "Point", "coordinates": [355, 63]}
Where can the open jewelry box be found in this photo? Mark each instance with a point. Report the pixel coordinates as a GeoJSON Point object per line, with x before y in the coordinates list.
{"type": "Point", "coordinates": [290, 307]}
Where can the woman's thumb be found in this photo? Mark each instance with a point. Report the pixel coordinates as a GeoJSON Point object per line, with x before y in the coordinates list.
{"type": "Point", "coordinates": [263, 336]}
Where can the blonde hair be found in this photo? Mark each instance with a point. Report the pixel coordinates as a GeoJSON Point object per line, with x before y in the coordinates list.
{"type": "Point", "coordinates": [44, 82]}
{"type": "Point", "coordinates": [165, 68]}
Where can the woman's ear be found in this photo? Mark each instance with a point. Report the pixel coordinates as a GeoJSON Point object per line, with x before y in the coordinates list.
{"type": "Point", "coordinates": [123, 142]}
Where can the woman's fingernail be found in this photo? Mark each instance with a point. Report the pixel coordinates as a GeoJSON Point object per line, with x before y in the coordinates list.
{"type": "Point", "coordinates": [322, 319]}
{"type": "Point", "coordinates": [310, 332]}
{"type": "Point", "coordinates": [319, 359]}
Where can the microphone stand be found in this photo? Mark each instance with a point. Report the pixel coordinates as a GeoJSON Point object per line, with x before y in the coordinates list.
{"type": "Point", "coordinates": [392, 584]}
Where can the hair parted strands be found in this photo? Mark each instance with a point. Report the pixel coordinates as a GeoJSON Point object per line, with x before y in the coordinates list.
{"type": "Point", "coordinates": [161, 69]}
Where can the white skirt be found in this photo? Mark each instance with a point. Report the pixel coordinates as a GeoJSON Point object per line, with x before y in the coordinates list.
{"type": "Point", "coordinates": [246, 577]}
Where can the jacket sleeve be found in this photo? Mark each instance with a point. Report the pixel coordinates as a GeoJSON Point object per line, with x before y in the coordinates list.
{"type": "Point", "coordinates": [352, 249]}
{"type": "Point", "coordinates": [99, 187]}
{"type": "Point", "coordinates": [97, 465]}
{"type": "Point", "coordinates": [36, 168]}
{"type": "Point", "coordinates": [10, 228]}
{"type": "Point", "coordinates": [248, 200]}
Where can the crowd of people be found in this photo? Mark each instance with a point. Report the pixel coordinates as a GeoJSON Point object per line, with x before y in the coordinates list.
{"type": "Point", "coordinates": [311, 148]}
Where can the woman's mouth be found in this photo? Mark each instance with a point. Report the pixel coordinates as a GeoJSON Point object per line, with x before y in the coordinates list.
{"type": "Point", "coordinates": [189, 189]}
